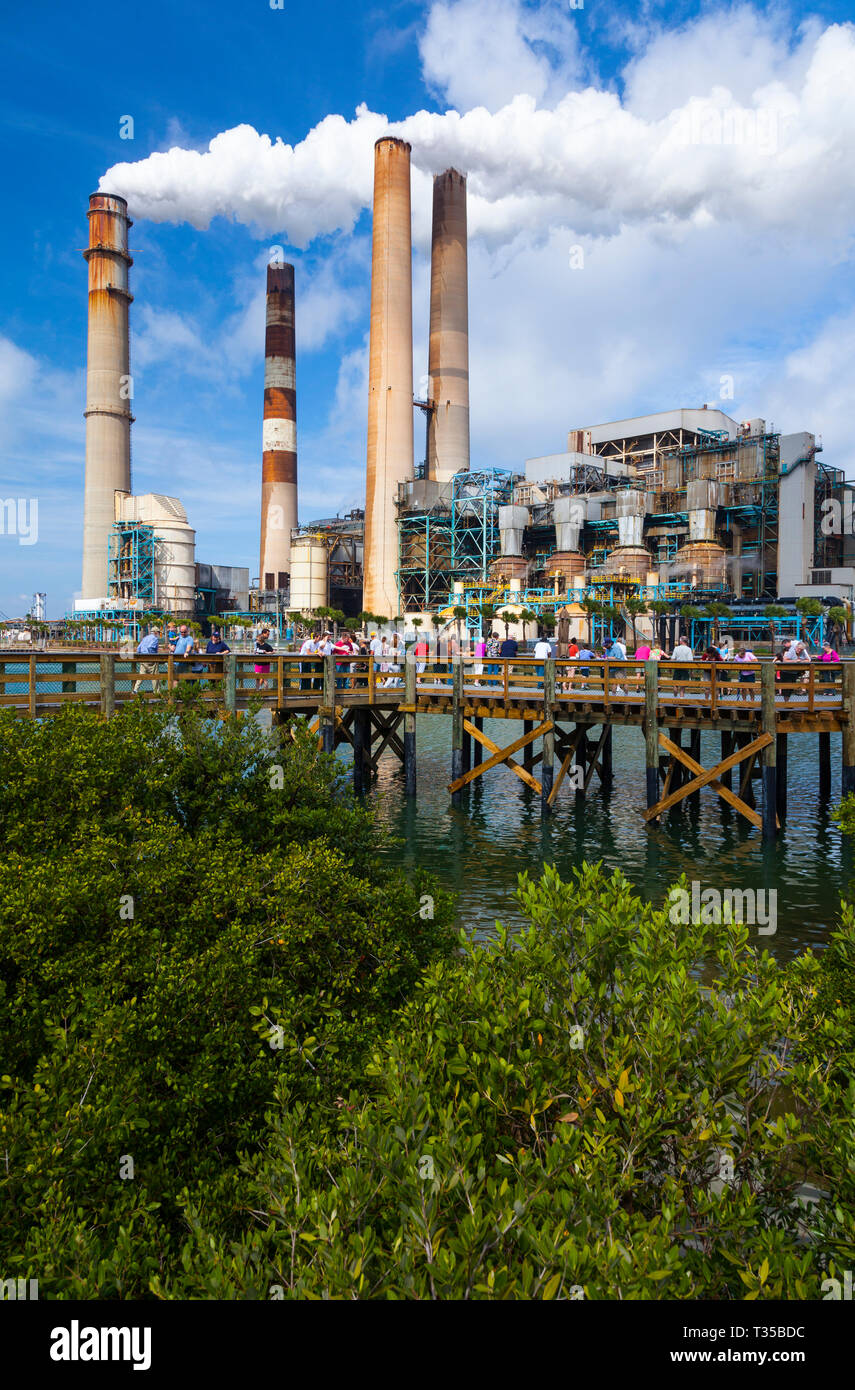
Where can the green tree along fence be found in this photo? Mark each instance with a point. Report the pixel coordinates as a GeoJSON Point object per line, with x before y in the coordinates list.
{"type": "Point", "coordinates": [187, 917]}
{"type": "Point", "coordinates": [242, 1059]}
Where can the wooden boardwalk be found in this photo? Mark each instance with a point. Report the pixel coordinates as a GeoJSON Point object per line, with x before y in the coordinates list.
{"type": "Point", "coordinates": [569, 708]}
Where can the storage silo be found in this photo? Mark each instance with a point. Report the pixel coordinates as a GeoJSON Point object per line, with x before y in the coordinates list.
{"type": "Point", "coordinates": [309, 574]}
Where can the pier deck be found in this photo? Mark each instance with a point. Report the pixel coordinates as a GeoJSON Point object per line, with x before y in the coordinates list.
{"type": "Point", "coordinates": [755, 708]}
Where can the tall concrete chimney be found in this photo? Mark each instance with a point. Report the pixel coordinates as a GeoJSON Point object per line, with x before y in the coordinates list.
{"type": "Point", "coordinates": [390, 372]}
{"type": "Point", "coordinates": [448, 365]}
{"type": "Point", "coordinates": [279, 466]}
{"type": "Point", "coordinates": [108, 384]}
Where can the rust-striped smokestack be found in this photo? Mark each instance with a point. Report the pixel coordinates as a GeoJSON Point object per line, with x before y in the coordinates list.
{"type": "Point", "coordinates": [108, 384]}
{"type": "Point", "coordinates": [279, 467]}
{"type": "Point", "coordinates": [448, 364]}
{"type": "Point", "coordinates": [390, 373]}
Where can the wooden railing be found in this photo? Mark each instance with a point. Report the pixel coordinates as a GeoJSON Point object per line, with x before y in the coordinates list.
{"type": "Point", "coordinates": [37, 682]}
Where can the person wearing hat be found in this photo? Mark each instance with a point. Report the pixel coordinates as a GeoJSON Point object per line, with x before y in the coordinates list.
{"type": "Point", "coordinates": [216, 647]}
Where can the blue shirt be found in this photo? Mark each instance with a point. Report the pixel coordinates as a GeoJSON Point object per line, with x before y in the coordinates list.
{"type": "Point", "coordinates": [216, 648]}
{"type": "Point", "coordinates": [148, 645]}
{"type": "Point", "coordinates": [184, 645]}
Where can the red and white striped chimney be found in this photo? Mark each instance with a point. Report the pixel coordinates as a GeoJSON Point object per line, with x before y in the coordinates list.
{"type": "Point", "coordinates": [279, 466]}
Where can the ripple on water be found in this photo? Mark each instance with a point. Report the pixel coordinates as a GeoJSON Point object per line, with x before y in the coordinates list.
{"type": "Point", "coordinates": [478, 851]}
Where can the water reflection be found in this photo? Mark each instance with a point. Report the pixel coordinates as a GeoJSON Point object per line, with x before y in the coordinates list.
{"type": "Point", "coordinates": [478, 850]}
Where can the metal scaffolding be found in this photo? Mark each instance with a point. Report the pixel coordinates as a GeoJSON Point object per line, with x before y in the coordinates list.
{"type": "Point", "coordinates": [475, 503]}
{"type": "Point", "coordinates": [130, 560]}
{"type": "Point", "coordinates": [424, 559]}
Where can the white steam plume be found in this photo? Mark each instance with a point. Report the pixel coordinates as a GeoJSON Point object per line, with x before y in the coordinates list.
{"type": "Point", "coordinates": [588, 163]}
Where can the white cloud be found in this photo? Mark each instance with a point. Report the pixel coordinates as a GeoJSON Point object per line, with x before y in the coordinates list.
{"type": "Point", "coordinates": [486, 52]}
{"type": "Point", "coordinates": [739, 48]}
{"type": "Point", "coordinates": [811, 389]}
{"type": "Point", "coordinates": [589, 162]}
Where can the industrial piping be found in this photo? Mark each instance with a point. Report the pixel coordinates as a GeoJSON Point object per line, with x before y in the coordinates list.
{"type": "Point", "coordinates": [108, 384]}
{"type": "Point", "coordinates": [448, 364]}
{"type": "Point", "coordinates": [279, 443]}
{"type": "Point", "coordinates": [390, 372]}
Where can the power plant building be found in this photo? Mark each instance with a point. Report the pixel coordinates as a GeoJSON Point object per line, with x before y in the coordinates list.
{"type": "Point", "coordinates": [683, 505]}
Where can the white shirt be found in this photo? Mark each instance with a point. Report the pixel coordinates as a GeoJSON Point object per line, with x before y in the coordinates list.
{"type": "Point", "coordinates": [682, 653]}
{"type": "Point", "coordinates": [307, 647]}
{"type": "Point", "coordinates": [542, 650]}
{"type": "Point", "coordinates": [376, 647]}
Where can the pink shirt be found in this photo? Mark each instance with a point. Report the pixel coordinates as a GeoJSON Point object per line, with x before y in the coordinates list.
{"type": "Point", "coordinates": [643, 653]}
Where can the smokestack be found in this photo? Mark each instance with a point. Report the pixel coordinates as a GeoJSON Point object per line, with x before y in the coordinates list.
{"type": "Point", "coordinates": [279, 465]}
{"type": "Point", "coordinates": [108, 384]}
{"type": "Point", "coordinates": [448, 365]}
{"type": "Point", "coordinates": [390, 373]}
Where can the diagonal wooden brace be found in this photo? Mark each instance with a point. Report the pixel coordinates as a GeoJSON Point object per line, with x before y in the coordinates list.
{"type": "Point", "coordinates": [705, 778]}
{"type": "Point", "coordinates": [568, 748]}
{"type": "Point", "coordinates": [502, 755]}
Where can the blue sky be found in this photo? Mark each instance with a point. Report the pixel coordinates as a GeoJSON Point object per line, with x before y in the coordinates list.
{"type": "Point", "coordinates": [712, 266]}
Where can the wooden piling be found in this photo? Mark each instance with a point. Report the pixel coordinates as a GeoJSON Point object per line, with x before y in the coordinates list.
{"type": "Point", "coordinates": [467, 752]}
{"type": "Point", "coordinates": [651, 731]}
{"type": "Point", "coordinates": [678, 773]}
{"type": "Point", "coordinates": [768, 671]}
{"type": "Point", "coordinates": [361, 749]}
{"type": "Point", "coordinates": [547, 769]}
{"type": "Point", "coordinates": [728, 743]}
{"type": "Point", "coordinates": [847, 781]}
{"type": "Point", "coordinates": [695, 752]}
{"type": "Point", "coordinates": [230, 682]}
{"type": "Point", "coordinates": [410, 726]}
{"type": "Point", "coordinates": [607, 764]}
{"type": "Point", "coordinates": [825, 768]}
{"type": "Point", "coordinates": [327, 712]}
{"type": "Point", "coordinates": [528, 755]}
{"type": "Point", "coordinates": [582, 760]}
{"type": "Point", "coordinates": [108, 684]}
{"type": "Point", "coordinates": [478, 750]}
{"type": "Point", "coordinates": [782, 776]}
{"type": "Point", "coordinates": [456, 729]}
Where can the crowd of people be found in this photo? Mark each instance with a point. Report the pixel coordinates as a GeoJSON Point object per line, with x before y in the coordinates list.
{"type": "Point", "coordinates": [388, 654]}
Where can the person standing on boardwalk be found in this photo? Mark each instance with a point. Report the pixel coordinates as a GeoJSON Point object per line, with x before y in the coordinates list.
{"type": "Point", "coordinates": [616, 651]}
{"type": "Point", "coordinates": [184, 644]}
{"type": "Point", "coordinates": [262, 648]}
{"type": "Point", "coordinates": [148, 647]}
{"type": "Point", "coordinates": [480, 653]}
{"type": "Point", "coordinates": [682, 652]}
{"type": "Point", "coordinates": [376, 649]}
{"type": "Point", "coordinates": [744, 656]}
{"type": "Point", "coordinates": [542, 652]}
{"type": "Point", "coordinates": [828, 658]}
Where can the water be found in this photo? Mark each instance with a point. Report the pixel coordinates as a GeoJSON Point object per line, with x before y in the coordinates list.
{"type": "Point", "coordinates": [478, 850]}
